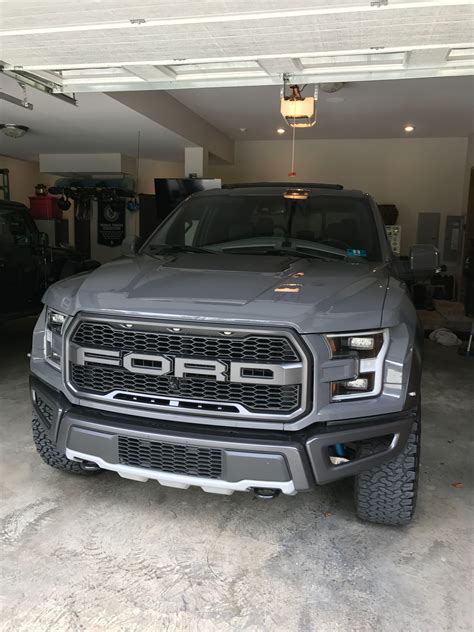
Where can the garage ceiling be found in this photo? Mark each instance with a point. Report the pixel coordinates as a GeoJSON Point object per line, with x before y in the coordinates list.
{"type": "Point", "coordinates": [98, 124]}
{"type": "Point", "coordinates": [156, 44]}
{"type": "Point", "coordinates": [372, 109]}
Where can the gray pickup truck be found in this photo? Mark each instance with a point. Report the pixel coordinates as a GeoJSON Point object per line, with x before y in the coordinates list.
{"type": "Point", "coordinates": [260, 340]}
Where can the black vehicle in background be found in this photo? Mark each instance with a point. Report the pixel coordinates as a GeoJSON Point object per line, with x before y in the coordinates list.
{"type": "Point", "coordinates": [28, 265]}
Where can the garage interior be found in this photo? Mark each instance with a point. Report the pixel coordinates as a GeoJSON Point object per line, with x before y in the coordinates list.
{"type": "Point", "coordinates": [154, 100]}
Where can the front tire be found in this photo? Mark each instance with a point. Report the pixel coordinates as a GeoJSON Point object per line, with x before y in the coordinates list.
{"type": "Point", "coordinates": [47, 451]}
{"type": "Point", "coordinates": [386, 494]}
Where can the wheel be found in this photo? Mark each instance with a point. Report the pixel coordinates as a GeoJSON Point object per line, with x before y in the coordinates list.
{"type": "Point", "coordinates": [386, 494]}
{"type": "Point", "coordinates": [47, 451]}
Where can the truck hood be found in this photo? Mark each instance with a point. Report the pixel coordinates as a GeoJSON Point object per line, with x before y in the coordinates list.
{"type": "Point", "coordinates": [310, 295]}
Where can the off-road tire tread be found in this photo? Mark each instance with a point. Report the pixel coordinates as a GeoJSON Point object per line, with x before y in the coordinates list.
{"type": "Point", "coordinates": [386, 494]}
{"type": "Point", "coordinates": [51, 456]}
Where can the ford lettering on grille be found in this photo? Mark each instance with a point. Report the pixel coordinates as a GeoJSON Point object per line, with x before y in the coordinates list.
{"type": "Point", "coordinates": [247, 373]}
{"type": "Point", "coordinates": [243, 372]}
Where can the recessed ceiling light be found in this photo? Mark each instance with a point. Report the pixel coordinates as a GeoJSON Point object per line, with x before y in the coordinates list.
{"type": "Point", "coordinates": [409, 128]}
{"type": "Point", "coordinates": [242, 129]}
{"type": "Point", "coordinates": [280, 130]}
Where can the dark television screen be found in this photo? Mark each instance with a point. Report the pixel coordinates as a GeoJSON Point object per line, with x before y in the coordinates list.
{"type": "Point", "coordinates": [171, 191]}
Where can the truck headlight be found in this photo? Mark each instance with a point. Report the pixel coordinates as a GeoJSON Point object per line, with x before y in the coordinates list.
{"type": "Point", "coordinates": [369, 349]}
{"type": "Point", "coordinates": [53, 337]}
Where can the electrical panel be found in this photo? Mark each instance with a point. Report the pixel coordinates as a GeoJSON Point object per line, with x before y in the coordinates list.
{"type": "Point", "coordinates": [394, 234]}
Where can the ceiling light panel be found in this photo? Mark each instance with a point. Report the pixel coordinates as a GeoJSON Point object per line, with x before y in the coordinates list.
{"type": "Point", "coordinates": [353, 60]}
{"type": "Point", "coordinates": [460, 54]}
{"type": "Point", "coordinates": [184, 69]}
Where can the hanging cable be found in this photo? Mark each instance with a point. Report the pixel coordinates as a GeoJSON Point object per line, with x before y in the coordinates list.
{"type": "Point", "coordinates": [136, 229]}
{"type": "Point", "coordinates": [292, 170]}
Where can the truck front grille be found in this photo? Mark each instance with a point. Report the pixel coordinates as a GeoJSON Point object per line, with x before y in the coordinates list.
{"type": "Point", "coordinates": [170, 457]}
{"type": "Point", "coordinates": [257, 348]}
{"type": "Point", "coordinates": [255, 397]}
{"type": "Point", "coordinates": [242, 372]}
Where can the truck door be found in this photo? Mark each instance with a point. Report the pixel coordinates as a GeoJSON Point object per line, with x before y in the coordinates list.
{"type": "Point", "coordinates": [19, 269]}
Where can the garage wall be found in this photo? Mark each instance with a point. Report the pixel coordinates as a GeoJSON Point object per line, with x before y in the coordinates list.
{"type": "Point", "coordinates": [24, 176]}
{"type": "Point", "coordinates": [418, 175]}
{"type": "Point", "coordinates": [151, 169]}
{"type": "Point", "coordinates": [469, 166]}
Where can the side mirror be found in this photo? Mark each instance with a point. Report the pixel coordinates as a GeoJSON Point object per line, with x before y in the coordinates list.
{"type": "Point", "coordinates": [424, 258]}
{"type": "Point", "coordinates": [130, 246]}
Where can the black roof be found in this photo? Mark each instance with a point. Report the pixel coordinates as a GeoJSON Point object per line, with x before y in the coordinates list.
{"type": "Point", "coordinates": [13, 205]}
{"type": "Point", "coordinates": [279, 188]}
{"type": "Point", "coordinates": [287, 185]}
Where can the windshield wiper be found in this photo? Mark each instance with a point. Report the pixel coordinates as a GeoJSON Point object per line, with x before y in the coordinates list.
{"type": "Point", "coordinates": [168, 248]}
{"type": "Point", "coordinates": [262, 250]}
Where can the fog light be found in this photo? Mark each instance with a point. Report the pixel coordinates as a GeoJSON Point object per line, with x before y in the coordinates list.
{"type": "Point", "coordinates": [361, 343]}
{"type": "Point", "coordinates": [359, 384]}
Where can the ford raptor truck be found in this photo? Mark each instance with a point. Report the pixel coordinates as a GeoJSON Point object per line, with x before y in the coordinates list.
{"type": "Point", "coordinates": [262, 339]}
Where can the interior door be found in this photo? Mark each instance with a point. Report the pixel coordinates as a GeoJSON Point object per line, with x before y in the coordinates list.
{"type": "Point", "coordinates": [428, 228]}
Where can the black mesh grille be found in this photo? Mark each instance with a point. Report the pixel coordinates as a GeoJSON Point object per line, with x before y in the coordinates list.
{"type": "Point", "coordinates": [169, 457]}
{"type": "Point", "coordinates": [46, 411]}
{"type": "Point", "coordinates": [252, 348]}
{"type": "Point", "coordinates": [255, 397]}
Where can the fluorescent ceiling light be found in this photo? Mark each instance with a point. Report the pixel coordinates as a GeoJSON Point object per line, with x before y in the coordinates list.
{"type": "Point", "coordinates": [221, 75]}
{"type": "Point", "coordinates": [236, 17]}
{"type": "Point", "coordinates": [371, 58]}
{"type": "Point", "coordinates": [461, 54]}
{"type": "Point", "coordinates": [343, 69]}
{"type": "Point", "coordinates": [99, 80]}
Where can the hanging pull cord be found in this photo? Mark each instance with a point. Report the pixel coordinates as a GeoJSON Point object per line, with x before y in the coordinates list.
{"type": "Point", "coordinates": [292, 171]}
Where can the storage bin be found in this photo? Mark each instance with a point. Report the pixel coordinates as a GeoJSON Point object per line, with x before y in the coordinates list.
{"type": "Point", "coordinates": [44, 208]}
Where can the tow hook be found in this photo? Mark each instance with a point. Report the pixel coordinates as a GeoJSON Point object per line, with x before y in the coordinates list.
{"type": "Point", "coordinates": [265, 493]}
{"type": "Point", "coordinates": [89, 466]}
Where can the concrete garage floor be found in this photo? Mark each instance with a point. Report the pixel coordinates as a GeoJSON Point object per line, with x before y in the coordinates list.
{"type": "Point", "coordinates": [109, 554]}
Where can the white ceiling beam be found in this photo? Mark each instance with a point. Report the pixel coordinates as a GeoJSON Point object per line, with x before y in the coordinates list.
{"type": "Point", "coordinates": [425, 59]}
{"type": "Point", "coordinates": [238, 17]}
{"type": "Point", "coordinates": [279, 65]}
{"type": "Point", "coordinates": [203, 60]}
{"type": "Point", "coordinates": [151, 73]}
{"type": "Point", "coordinates": [369, 73]}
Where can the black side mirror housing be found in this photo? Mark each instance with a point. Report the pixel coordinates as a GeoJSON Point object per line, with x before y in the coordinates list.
{"type": "Point", "coordinates": [424, 258]}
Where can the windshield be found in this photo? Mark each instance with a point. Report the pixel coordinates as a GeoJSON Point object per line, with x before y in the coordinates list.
{"type": "Point", "coordinates": [325, 226]}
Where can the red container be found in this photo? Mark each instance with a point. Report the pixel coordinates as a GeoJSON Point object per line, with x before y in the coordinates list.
{"type": "Point", "coordinates": [44, 208]}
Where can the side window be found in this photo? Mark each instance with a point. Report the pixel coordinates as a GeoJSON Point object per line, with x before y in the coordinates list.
{"type": "Point", "coordinates": [13, 229]}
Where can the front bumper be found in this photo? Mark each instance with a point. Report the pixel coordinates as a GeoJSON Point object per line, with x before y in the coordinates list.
{"type": "Point", "coordinates": [286, 461]}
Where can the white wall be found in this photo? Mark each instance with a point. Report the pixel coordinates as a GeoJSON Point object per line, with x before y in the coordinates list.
{"type": "Point", "coordinates": [24, 176]}
{"type": "Point", "coordinates": [418, 175]}
{"type": "Point", "coordinates": [151, 169]}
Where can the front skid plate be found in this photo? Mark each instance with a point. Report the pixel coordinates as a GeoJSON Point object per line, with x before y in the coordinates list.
{"type": "Point", "coordinates": [182, 481]}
